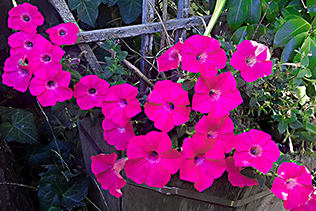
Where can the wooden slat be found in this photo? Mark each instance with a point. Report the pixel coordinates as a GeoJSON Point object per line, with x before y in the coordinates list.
{"type": "Point", "coordinates": [183, 12]}
{"type": "Point", "coordinates": [136, 30]}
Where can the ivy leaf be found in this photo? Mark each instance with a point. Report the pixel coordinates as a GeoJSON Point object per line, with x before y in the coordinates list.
{"type": "Point", "coordinates": [311, 6]}
{"type": "Point", "coordinates": [39, 154]}
{"type": "Point", "coordinates": [89, 9]}
{"type": "Point", "coordinates": [254, 11]}
{"type": "Point", "coordinates": [48, 198]}
{"type": "Point", "coordinates": [248, 172]}
{"type": "Point", "coordinates": [18, 125]}
{"type": "Point", "coordinates": [130, 9]}
{"type": "Point", "coordinates": [261, 180]}
{"type": "Point", "coordinates": [73, 194]}
{"type": "Point", "coordinates": [237, 14]}
{"type": "Point", "coordinates": [109, 2]}
{"type": "Point", "coordinates": [289, 30]}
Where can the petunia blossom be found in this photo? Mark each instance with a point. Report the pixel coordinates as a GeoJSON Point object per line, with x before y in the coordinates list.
{"type": "Point", "coordinates": [90, 91]}
{"type": "Point", "coordinates": [25, 17]}
{"type": "Point", "coordinates": [252, 59]}
{"type": "Point", "coordinates": [235, 177]}
{"type": "Point", "coordinates": [63, 34]}
{"type": "Point", "coordinates": [203, 54]}
{"type": "Point", "coordinates": [203, 161]}
{"type": "Point", "coordinates": [293, 185]}
{"type": "Point", "coordinates": [167, 105]}
{"type": "Point", "coordinates": [22, 42]}
{"type": "Point", "coordinates": [45, 56]}
{"type": "Point", "coordinates": [151, 159]}
{"type": "Point", "coordinates": [171, 58]}
{"type": "Point", "coordinates": [216, 95]}
{"type": "Point", "coordinates": [310, 204]}
{"type": "Point", "coordinates": [50, 87]}
{"type": "Point", "coordinates": [255, 148]}
{"type": "Point", "coordinates": [220, 128]}
{"type": "Point", "coordinates": [16, 74]}
{"type": "Point", "coordinates": [120, 104]}
{"type": "Point", "coordinates": [107, 170]}
{"type": "Point", "coordinates": [116, 135]}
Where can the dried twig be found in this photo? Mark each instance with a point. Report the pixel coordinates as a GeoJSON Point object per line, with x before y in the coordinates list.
{"type": "Point", "coordinates": [260, 22]}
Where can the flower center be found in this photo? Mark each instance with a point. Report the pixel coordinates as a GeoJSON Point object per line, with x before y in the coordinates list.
{"type": "Point", "coordinates": [199, 159]}
{"type": "Point", "coordinates": [28, 44]}
{"type": "Point", "coordinates": [92, 91]}
{"type": "Point", "coordinates": [250, 61]}
{"type": "Point", "coordinates": [255, 151]}
{"type": "Point", "coordinates": [62, 32]}
{"type": "Point", "coordinates": [169, 106]}
{"type": "Point", "coordinates": [154, 154]}
{"type": "Point", "coordinates": [26, 18]}
{"type": "Point", "coordinates": [122, 103]}
{"type": "Point", "coordinates": [121, 129]}
{"type": "Point", "coordinates": [153, 157]}
{"type": "Point", "coordinates": [290, 183]}
{"type": "Point", "coordinates": [51, 85]}
{"type": "Point", "coordinates": [201, 57]}
{"type": "Point", "coordinates": [46, 58]}
{"type": "Point", "coordinates": [173, 55]}
{"type": "Point", "coordinates": [23, 71]}
{"type": "Point", "coordinates": [214, 94]}
{"type": "Point", "coordinates": [212, 134]}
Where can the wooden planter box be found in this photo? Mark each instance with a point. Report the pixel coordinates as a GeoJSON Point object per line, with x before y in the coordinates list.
{"type": "Point", "coordinates": [178, 195]}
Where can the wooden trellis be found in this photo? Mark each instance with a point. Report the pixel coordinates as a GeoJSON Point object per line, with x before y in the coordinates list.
{"type": "Point", "coordinates": [136, 197]}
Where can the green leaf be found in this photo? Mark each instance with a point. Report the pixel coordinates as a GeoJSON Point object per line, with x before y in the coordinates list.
{"type": "Point", "coordinates": [288, 52]}
{"type": "Point", "coordinates": [282, 126]}
{"type": "Point", "coordinates": [130, 9]}
{"type": "Point", "coordinates": [109, 2]}
{"type": "Point", "coordinates": [254, 11]}
{"type": "Point", "coordinates": [39, 154]}
{"type": "Point", "coordinates": [296, 125]}
{"type": "Point", "coordinates": [237, 14]}
{"type": "Point", "coordinates": [73, 195]}
{"type": "Point", "coordinates": [289, 30]}
{"type": "Point", "coordinates": [311, 6]}
{"type": "Point", "coordinates": [18, 125]}
{"type": "Point", "coordinates": [121, 55]}
{"type": "Point", "coordinates": [261, 180]}
{"type": "Point", "coordinates": [48, 198]}
{"type": "Point", "coordinates": [87, 8]}
{"type": "Point", "coordinates": [310, 127]}
{"type": "Point", "coordinates": [248, 172]}
{"type": "Point", "coordinates": [262, 30]}
{"type": "Point", "coordinates": [306, 136]}
{"type": "Point", "coordinates": [239, 35]}
{"type": "Point", "coordinates": [272, 11]}
{"type": "Point", "coordinates": [181, 130]}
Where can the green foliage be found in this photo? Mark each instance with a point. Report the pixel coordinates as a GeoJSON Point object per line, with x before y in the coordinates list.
{"type": "Point", "coordinates": [130, 9]}
{"type": "Point", "coordinates": [237, 14]}
{"type": "Point", "coordinates": [18, 125]}
{"type": "Point", "coordinates": [60, 189]}
{"type": "Point", "coordinates": [87, 10]}
{"type": "Point", "coordinates": [109, 2]}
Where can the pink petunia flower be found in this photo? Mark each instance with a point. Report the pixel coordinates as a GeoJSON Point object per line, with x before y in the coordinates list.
{"type": "Point", "coordinates": [63, 34]}
{"type": "Point", "coordinates": [203, 54]}
{"type": "Point", "coordinates": [25, 17]}
{"type": "Point", "coordinates": [252, 59]}
{"type": "Point", "coordinates": [45, 56]}
{"type": "Point", "coordinates": [171, 58]}
{"type": "Point", "coordinates": [203, 161]}
{"type": "Point", "coordinates": [90, 91]}
{"type": "Point", "coordinates": [168, 105]}
{"type": "Point", "coordinates": [255, 148]}
{"type": "Point", "coordinates": [22, 42]}
{"type": "Point", "coordinates": [235, 177]}
{"type": "Point", "coordinates": [216, 95]}
{"type": "Point", "coordinates": [293, 185]}
{"type": "Point", "coordinates": [16, 74]}
{"type": "Point", "coordinates": [219, 128]}
{"type": "Point", "coordinates": [120, 104]}
{"type": "Point", "coordinates": [107, 171]}
{"type": "Point", "coordinates": [151, 159]}
{"type": "Point", "coordinates": [116, 135]}
{"type": "Point", "coordinates": [49, 87]}
{"type": "Point", "coordinates": [310, 205]}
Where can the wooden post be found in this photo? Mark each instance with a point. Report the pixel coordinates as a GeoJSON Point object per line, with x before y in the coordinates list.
{"type": "Point", "coordinates": [147, 41]}
{"type": "Point", "coordinates": [183, 12]}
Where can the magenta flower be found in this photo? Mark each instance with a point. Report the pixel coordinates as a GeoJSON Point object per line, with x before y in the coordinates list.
{"type": "Point", "coordinates": [107, 171]}
{"type": "Point", "coordinates": [151, 159]}
{"type": "Point", "coordinates": [253, 60]}
{"type": "Point", "coordinates": [90, 91]}
{"type": "Point", "coordinates": [255, 148]}
{"type": "Point", "coordinates": [310, 205]}
{"type": "Point", "coordinates": [16, 74]}
{"type": "Point", "coordinates": [120, 104]}
{"type": "Point", "coordinates": [203, 54]}
{"type": "Point", "coordinates": [235, 177]}
{"type": "Point", "coordinates": [203, 161]}
{"type": "Point", "coordinates": [63, 34]}
{"type": "Point", "coordinates": [25, 17]}
{"type": "Point", "coordinates": [168, 105]}
{"type": "Point", "coordinates": [49, 87]}
{"type": "Point", "coordinates": [216, 95]}
{"type": "Point", "coordinates": [45, 56]}
{"type": "Point", "coordinates": [22, 42]}
{"type": "Point", "coordinates": [293, 185]}
{"type": "Point", "coordinates": [219, 128]}
{"type": "Point", "coordinates": [116, 135]}
{"type": "Point", "coordinates": [170, 59]}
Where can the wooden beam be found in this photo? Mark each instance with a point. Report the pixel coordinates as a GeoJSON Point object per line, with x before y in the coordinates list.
{"type": "Point", "coordinates": [136, 30]}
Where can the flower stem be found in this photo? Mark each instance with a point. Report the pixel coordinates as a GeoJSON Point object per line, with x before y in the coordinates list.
{"type": "Point", "coordinates": [218, 8]}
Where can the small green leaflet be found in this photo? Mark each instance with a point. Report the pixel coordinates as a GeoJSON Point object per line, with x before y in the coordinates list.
{"type": "Point", "coordinates": [88, 9]}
